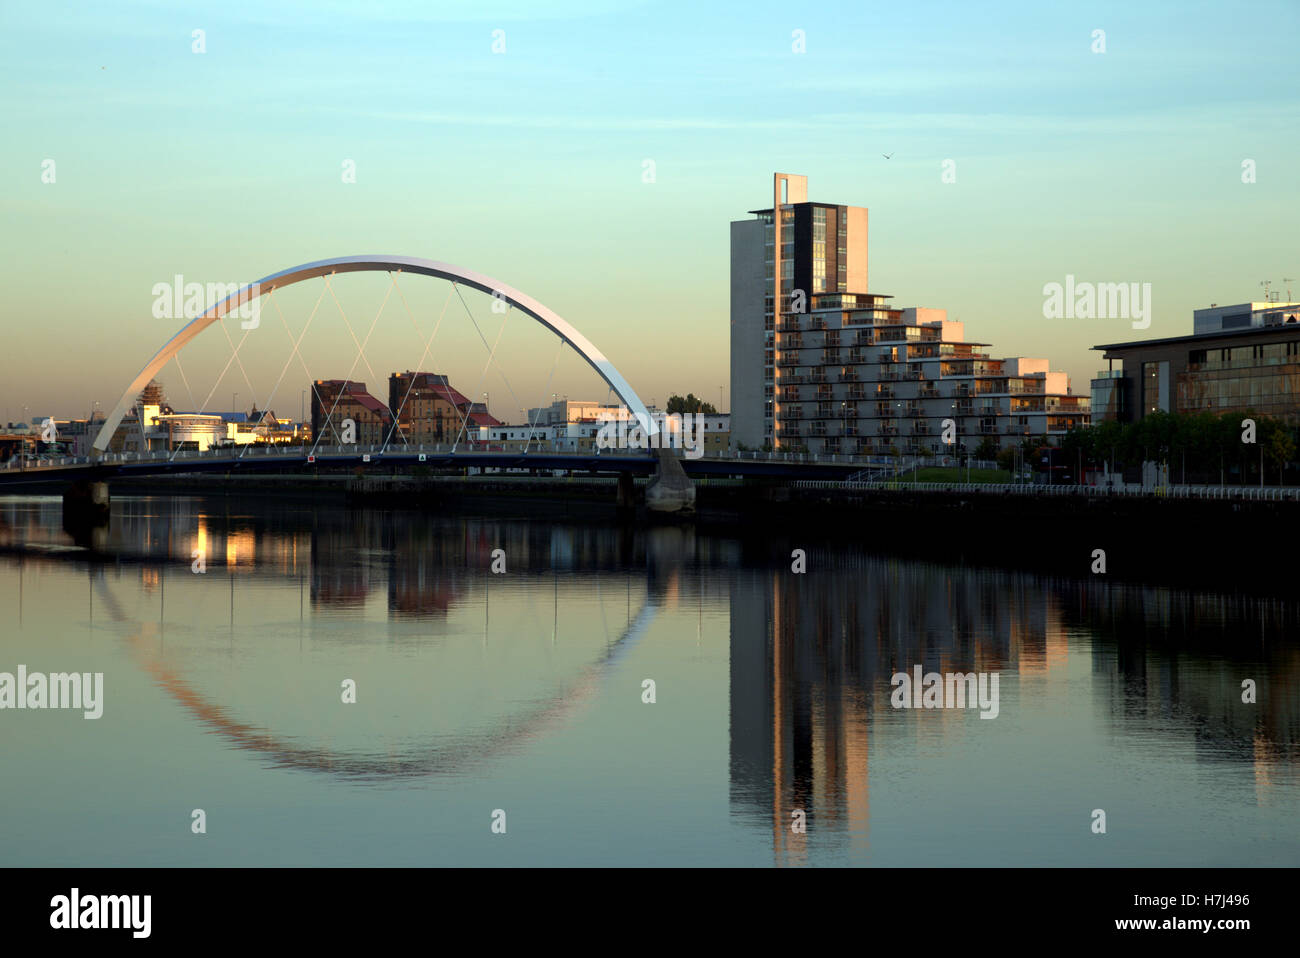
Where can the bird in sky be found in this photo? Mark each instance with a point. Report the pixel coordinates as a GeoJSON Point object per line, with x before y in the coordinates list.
{"type": "Point", "coordinates": [888, 155]}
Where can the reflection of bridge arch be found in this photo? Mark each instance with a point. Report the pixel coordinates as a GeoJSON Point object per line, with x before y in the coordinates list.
{"type": "Point", "coordinates": [444, 755]}
{"type": "Point", "coordinates": [403, 264]}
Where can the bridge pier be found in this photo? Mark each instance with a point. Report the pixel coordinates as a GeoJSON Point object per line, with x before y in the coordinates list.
{"type": "Point", "coordinates": [85, 513]}
{"type": "Point", "coordinates": [671, 490]}
{"type": "Point", "coordinates": [86, 500]}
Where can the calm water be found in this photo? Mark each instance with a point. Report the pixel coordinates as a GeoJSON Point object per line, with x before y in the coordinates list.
{"type": "Point", "coordinates": [523, 692]}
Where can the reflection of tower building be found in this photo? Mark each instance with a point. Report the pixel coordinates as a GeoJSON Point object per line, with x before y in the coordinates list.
{"type": "Point", "coordinates": [751, 692]}
{"type": "Point", "coordinates": [798, 711]}
{"type": "Point", "coordinates": [1038, 643]}
{"type": "Point", "coordinates": [811, 660]}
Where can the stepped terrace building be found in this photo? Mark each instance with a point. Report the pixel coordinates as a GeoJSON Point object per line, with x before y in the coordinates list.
{"type": "Point", "coordinates": [857, 376]}
{"type": "Point", "coordinates": [818, 363]}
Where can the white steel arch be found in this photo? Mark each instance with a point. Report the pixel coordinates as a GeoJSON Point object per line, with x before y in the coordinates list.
{"type": "Point", "coordinates": [402, 264]}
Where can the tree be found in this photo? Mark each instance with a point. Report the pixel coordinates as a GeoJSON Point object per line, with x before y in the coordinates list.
{"type": "Point", "coordinates": [1279, 446]}
{"type": "Point", "coordinates": [987, 449]}
{"type": "Point", "coordinates": [1106, 439]}
{"type": "Point", "coordinates": [690, 404]}
{"type": "Point", "coordinates": [1198, 445]}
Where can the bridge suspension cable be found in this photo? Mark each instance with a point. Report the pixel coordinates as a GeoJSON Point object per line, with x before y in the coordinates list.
{"type": "Point", "coordinates": [428, 344]}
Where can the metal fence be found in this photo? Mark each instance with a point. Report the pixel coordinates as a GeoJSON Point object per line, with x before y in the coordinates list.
{"type": "Point", "coordinates": [1244, 493]}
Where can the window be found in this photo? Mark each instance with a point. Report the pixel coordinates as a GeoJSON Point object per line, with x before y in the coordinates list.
{"type": "Point", "coordinates": [1152, 399]}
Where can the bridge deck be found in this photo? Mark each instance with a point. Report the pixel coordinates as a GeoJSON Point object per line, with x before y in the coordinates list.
{"type": "Point", "coordinates": [259, 459]}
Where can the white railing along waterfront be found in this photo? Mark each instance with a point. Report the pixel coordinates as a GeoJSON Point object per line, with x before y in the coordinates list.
{"type": "Point", "coordinates": [1244, 493]}
{"type": "Point", "coordinates": [872, 463]}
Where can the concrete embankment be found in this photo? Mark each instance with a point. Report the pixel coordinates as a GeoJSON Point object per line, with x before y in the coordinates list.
{"type": "Point", "coordinates": [1219, 544]}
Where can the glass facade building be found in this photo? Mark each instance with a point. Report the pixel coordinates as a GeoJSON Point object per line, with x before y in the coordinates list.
{"type": "Point", "coordinates": [1229, 365]}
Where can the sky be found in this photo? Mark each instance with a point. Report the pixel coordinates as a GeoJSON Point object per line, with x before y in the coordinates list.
{"type": "Point", "coordinates": [528, 163]}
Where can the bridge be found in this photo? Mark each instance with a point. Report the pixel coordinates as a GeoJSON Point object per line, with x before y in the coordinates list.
{"type": "Point", "coordinates": [610, 462]}
{"type": "Point", "coordinates": [670, 489]}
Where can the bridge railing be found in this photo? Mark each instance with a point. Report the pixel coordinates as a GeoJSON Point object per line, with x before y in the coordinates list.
{"type": "Point", "coordinates": [1244, 493]}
